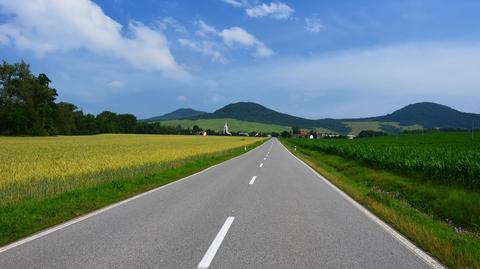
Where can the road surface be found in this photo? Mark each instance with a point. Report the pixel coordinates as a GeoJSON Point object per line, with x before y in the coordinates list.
{"type": "Point", "coordinates": [264, 209]}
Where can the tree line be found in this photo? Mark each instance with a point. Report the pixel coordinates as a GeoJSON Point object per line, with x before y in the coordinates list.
{"type": "Point", "coordinates": [28, 107]}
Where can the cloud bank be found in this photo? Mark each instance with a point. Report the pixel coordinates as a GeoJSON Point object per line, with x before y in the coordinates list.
{"type": "Point", "coordinates": [48, 26]}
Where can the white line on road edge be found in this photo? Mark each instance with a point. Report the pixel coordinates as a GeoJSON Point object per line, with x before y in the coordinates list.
{"type": "Point", "coordinates": [261, 165]}
{"type": "Point", "coordinates": [102, 210]}
{"type": "Point", "coordinates": [212, 250]}
{"type": "Point", "coordinates": [430, 261]}
{"type": "Point", "coordinates": [253, 180]}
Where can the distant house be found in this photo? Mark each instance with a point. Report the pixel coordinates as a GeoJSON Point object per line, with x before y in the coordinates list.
{"type": "Point", "coordinates": [243, 134]}
{"type": "Point", "coordinates": [311, 136]}
{"type": "Point", "coordinates": [301, 134]}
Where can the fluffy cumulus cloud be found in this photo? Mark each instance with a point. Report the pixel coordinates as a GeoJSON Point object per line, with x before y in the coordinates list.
{"type": "Point", "coordinates": [236, 35]}
{"type": "Point", "coordinates": [313, 25]}
{"type": "Point", "coordinates": [231, 38]}
{"type": "Point", "coordinates": [49, 26]}
{"type": "Point", "coordinates": [279, 11]}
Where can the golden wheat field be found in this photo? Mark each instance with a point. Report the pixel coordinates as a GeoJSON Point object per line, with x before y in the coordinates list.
{"type": "Point", "coordinates": [39, 166]}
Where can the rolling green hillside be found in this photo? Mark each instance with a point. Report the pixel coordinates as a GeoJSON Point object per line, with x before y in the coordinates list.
{"type": "Point", "coordinates": [248, 116]}
{"type": "Point", "coordinates": [388, 127]}
{"type": "Point", "coordinates": [252, 112]}
{"type": "Point", "coordinates": [430, 115]}
{"type": "Point", "coordinates": [181, 113]}
{"type": "Point", "coordinates": [233, 124]}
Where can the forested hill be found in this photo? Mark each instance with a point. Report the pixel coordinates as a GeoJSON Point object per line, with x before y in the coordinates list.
{"type": "Point", "coordinates": [429, 115]}
{"type": "Point", "coordinates": [248, 111]}
{"type": "Point", "coordinates": [178, 114]}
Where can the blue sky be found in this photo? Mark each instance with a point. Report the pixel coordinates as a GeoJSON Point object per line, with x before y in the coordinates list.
{"type": "Point", "coordinates": [314, 59]}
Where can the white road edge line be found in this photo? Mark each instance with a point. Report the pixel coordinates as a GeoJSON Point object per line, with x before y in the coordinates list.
{"type": "Point", "coordinates": [212, 250]}
{"type": "Point", "coordinates": [253, 180]}
{"type": "Point", "coordinates": [430, 261]}
{"type": "Point", "coordinates": [102, 210]}
{"type": "Point", "coordinates": [261, 165]}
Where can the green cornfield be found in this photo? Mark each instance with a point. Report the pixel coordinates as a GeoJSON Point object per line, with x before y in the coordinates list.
{"type": "Point", "coordinates": [449, 158]}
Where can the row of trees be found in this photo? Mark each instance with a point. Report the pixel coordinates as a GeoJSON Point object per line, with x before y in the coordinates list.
{"type": "Point", "coordinates": [28, 107]}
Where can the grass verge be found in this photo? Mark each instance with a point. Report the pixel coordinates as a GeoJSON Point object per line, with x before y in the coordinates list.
{"type": "Point", "coordinates": [27, 217]}
{"type": "Point", "coordinates": [454, 247]}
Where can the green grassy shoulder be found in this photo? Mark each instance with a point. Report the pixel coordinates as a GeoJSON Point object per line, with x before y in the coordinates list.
{"type": "Point", "coordinates": [420, 209]}
{"type": "Point", "coordinates": [24, 218]}
{"type": "Point", "coordinates": [233, 124]}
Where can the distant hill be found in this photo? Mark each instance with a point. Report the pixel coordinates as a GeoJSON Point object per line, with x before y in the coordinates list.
{"type": "Point", "coordinates": [178, 114]}
{"type": "Point", "coordinates": [252, 112]}
{"type": "Point", "coordinates": [431, 115]}
{"type": "Point", "coordinates": [414, 116]}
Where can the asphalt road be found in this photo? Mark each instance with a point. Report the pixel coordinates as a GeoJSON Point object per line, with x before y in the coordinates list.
{"type": "Point", "coordinates": [239, 214]}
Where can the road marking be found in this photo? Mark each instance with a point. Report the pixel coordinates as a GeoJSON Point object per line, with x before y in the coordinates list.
{"type": "Point", "coordinates": [261, 165]}
{"type": "Point", "coordinates": [253, 180]}
{"type": "Point", "coordinates": [212, 250]}
{"type": "Point", "coordinates": [102, 210]}
{"type": "Point", "coordinates": [402, 239]}
{"type": "Point", "coordinates": [265, 158]}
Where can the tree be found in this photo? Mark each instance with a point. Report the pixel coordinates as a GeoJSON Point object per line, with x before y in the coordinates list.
{"type": "Point", "coordinates": [126, 123]}
{"type": "Point", "coordinates": [27, 103]}
{"type": "Point", "coordinates": [66, 119]}
{"type": "Point", "coordinates": [286, 134]}
{"type": "Point", "coordinates": [107, 122]}
{"type": "Point", "coordinates": [295, 130]}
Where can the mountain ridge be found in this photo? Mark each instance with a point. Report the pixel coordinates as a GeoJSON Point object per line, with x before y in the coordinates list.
{"type": "Point", "coordinates": [426, 114]}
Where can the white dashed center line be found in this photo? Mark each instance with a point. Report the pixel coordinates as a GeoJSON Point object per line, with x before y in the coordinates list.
{"type": "Point", "coordinates": [261, 165]}
{"type": "Point", "coordinates": [212, 250]}
{"type": "Point", "coordinates": [253, 180]}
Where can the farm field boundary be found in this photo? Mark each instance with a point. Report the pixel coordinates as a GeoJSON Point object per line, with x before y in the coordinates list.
{"type": "Point", "coordinates": [24, 218]}
{"type": "Point", "coordinates": [387, 195]}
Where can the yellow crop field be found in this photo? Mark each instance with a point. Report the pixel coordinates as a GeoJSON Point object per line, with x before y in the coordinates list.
{"type": "Point", "coordinates": [39, 166]}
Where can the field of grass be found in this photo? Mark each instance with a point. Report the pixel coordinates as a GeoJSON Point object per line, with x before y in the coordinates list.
{"type": "Point", "coordinates": [48, 180]}
{"type": "Point", "coordinates": [358, 126]}
{"type": "Point", "coordinates": [434, 209]}
{"type": "Point", "coordinates": [233, 124]}
{"type": "Point", "coordinates": [36, 167]}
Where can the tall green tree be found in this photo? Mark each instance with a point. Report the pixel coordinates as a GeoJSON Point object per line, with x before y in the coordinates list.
{"type": "Point", "coordinates": [27, 103]}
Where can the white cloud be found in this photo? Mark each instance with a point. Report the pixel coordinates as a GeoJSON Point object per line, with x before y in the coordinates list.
{"type": "Point", "coordinates": [207, 48]}
{"type": "Point", "coordinates": [279, 11]}
{"type": "Point", "coordinates": [313, 25]}
{"type": "Point", "coordinates": [116, 84]}
{"type": "Point", "coordinates": [231, 37]}
{"type": "Point", "coordinates": [49, 26]}
{"type": "Point", "coordinates": [170, 22]}
{"type": "Point", "coordinates": [182, 98]}
{"type": "Point", "coordinates": [237, 35]}
{"type": "Point", "coordinates": [204, 29]}
{"type": "Point", "coordinates": [236, 3]}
